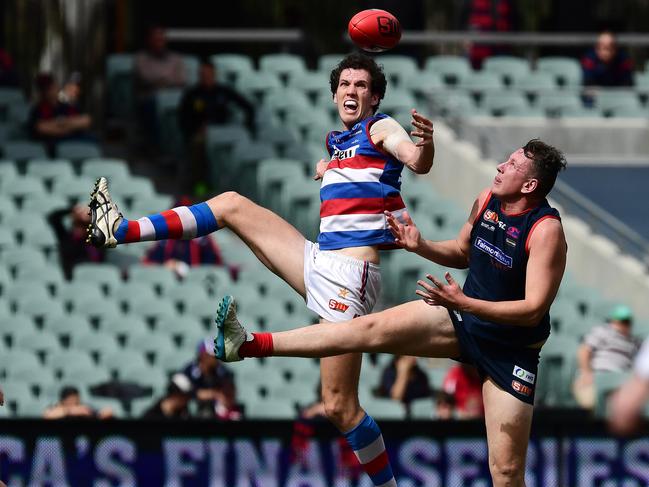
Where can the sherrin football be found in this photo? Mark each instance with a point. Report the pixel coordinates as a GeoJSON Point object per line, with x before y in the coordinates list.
{"type": "Point", "coordinates": [374, 30]}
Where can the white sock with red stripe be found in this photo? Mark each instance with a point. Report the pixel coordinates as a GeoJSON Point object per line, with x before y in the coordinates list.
{"type": "Point", "coordinates": [367, 442]}
{"type": "Point", "coordinates": [184, 222]}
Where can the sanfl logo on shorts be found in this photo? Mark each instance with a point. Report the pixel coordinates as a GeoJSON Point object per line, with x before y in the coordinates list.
{"type": "Point", "coordinates": [523, 374]}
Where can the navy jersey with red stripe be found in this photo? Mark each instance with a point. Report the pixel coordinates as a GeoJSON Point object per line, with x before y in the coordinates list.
{"type": "Point", "coordinates": [359, 184]}
{"type": "Point", "coordinates": [498, 268]}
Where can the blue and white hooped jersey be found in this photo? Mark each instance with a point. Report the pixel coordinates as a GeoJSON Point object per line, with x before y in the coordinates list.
{"type": "Point", "coordinates": [359, 184]}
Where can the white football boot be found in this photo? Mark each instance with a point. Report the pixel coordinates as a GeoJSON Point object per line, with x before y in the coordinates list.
{"type": "Point", "coordinates": [230, 334]}
{"type": "Point", "coordinates": [104, 216]}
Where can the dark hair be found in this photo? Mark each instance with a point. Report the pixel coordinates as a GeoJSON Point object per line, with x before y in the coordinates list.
{"type": "Point", "coordinates": [547, 161]}
{"type": "Point", "coordinates": [68, 391]}
{"type": "Point", "coordinates": [357, 60]}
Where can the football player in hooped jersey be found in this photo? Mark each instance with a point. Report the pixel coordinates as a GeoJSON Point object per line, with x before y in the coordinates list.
{"type": "Point", "coordinates": [514, 247]}
{"type": "Point", "coordinates": [339, 275]}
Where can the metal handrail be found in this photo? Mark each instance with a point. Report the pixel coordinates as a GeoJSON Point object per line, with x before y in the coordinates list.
{"type": "Point", "coordinates": [519, 38]}
{"type": "Point", "coordinates": [235, 35]}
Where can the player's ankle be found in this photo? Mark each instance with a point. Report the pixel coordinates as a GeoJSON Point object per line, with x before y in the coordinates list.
{"type": "Point", "coordinates": [261, 345]}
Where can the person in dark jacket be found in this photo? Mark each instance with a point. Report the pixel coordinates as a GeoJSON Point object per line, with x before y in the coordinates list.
{"type": "Point", "coordinates": [606, 65]}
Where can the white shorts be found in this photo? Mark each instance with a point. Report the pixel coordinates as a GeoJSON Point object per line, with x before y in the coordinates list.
{"type": "Point", "coordinates": [338, 287]}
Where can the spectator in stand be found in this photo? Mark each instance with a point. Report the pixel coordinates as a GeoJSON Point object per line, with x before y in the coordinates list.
{"type": "Point", "coordinates": [73, 248]}
{"type": "Point", "coordinates": [173, 405]}
{"type": "Point", "coordinates": [496, 16]}
{"type": "Point", "coordinates": [444, 405]}
{"type": "Point", "coordinates": [403, 380]}
{"type": "Point", "coordinates": [70, 406]}
{"type": "Point", "coordinates": [607, 348]}
{"type": "Point", "coordinates": [71, 91]}
{"type": "Point", "coordinates": [156, 68]}
{"type": "Point", "coordinates": [606, 65]}
{"type": "Point", "coordinates": [207, 103]}
{"type": "Point", "coordinates": [180, 255]}
{"type": "Point", "coordinates": [51, 121]}
{"type": "Point", "coordinates": [463, 385]}
{"type": "Point", "coordinates": [8, 74]}
{"type": "Point", "coordinates": [211, 381]}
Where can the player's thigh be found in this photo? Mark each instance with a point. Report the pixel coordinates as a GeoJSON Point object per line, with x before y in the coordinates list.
{"type": "Point", "coordinates": [508, 421]}
{"type": "Point", "coordinates": [275, 242]}
{"type": "Point", "coordinates": [413, 328]}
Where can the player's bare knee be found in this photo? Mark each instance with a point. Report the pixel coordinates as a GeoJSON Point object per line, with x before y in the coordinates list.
{"type": "Point", "coordinates": [340, 410]}
{"type": "Point", "coordinates": [507, 473]}
{"type": "Point", "coordinates": [226, 204]}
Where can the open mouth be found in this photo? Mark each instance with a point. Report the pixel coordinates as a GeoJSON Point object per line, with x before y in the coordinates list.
{"type": "Point", "coordinates": [350, 106]}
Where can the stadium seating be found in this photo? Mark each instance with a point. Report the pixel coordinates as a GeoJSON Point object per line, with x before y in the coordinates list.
{"type": "Point", "coordinates": [283, 65]}
{"type": "Point", "coordinates": [119, 81]}
{"type": "Point", "coordinates": [452, 69]}
{"type": "Point", "coordinates": [567, 71]}
{"type": "Point", "coordinates": [231, 67]}
{"type": "Point", "coordinates": [23, 150]}
{"type": "Point", "coordinates": [77, 151]}
{"type": "Point", "coordinates": [397, 69]}
{"type": "Point", "coordinates": [510, 68]}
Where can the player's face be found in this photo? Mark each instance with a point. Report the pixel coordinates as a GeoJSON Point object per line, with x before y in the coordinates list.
{"type": "Point", "coordinates": [514, 176]}
{"type": "Point", "coordinates": [354, 96]}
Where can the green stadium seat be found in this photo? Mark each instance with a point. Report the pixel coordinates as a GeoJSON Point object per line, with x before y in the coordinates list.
{"type": "Point", "coordinates": [50, 169]}
{"type": "Point", "coordinates": [275, 174]}
{"type": "Point", "coordinates": [13, 358]}
{"type": "Point", "coordinates": [524, 111]}
{"type": "Point", "coordinates": [147, 376]}
{"type": "Point", "coordinates": [182, 328]}
{"type": "Point", "coordinates": [101, 314]}
{"type": "Point", "coordinates": [117, 360]}
{"type": "Point", "coordinates": [97, 344]}
{"type": "Point", "coordinates": [481, 81]}
{"type": "Point", "coordinates": [76, 190]}
{"type": "Point", "coordinates": [157, 276]}
{"type": "Point", "coordinates": [510, 68]}
{"type": "Point", "coordinates": [424, 408]}
{"type": "Point", "coordinates": [66, 326]}
{"type": "Point", "coordinates": [231, 67]}
{"type": "Point", "coordinates": [221, 141]}
{"type": "Point", "coordinates": [121, 329]}
{"type": "Point", "coordinates": [566, 70]}
{"type": "Point", "coordinates": [497, 103]}
{"type": "Point", "coordinates": [132, 188]}
{"type": "Point", "coordinates": [8, 171]}
{"type": "Point", "coordinates": [284, 101]}
{"type": "Point", "coordinates": [422, 85]}
{"type": "Point", "coordinates": [283, 65]}
{"type": "Point", "coordinates": [171, 361]}
{"type": "Point", "coordinates": [630, 112]}
{"type": "Point", "coordinates": [566, 319]}
{"type": "Point", "coordinates": [152, 345]}
{"type": "Point", "coordinates": [5, 279]}
{"type": "Point", "coordinates": [22, 150]}
{"type": "Point", "coordinates": [150, 204]}
{"type": "Point", "coordinates": [130, 293]}
{"type": "Point", "coordinates": [105, 275]}
{"type": "Point", "coordinates": [37, 308]}
{"type": "Point", "coordinates": [609, 100]}
{"type": "Point", "coordinates": [257, 84]}
{"type": "Point", "coordinates": [536, 82]}
{"type": "Point", "coordinates": [10, 98]}
{"type": "Point", "coordinates": [283, 138]}
{"type": "Point", "coordinates": [208, 277]}
{"type": "Point", "coordinates": [557, 364]}
{"type": "Point", "coordinates": [18, 257]}
{"type": "Point", "coordinates": [191, 69]}
{"type": "Point", "coordinates": [327, 63]}
{"type": "Point", "coordinates": [44, 204]}
{"type": "Point", "coordinates": [152, 310]}
{"type": "Point", "coordinates": [605, 384]}
{"type": "Point", "coordinates": [584, 297]}
{"type": "Point", "coordinates": [454, 103]}
{"type": "Point", "coordinates": [577, 112]}
{"type": "Point", "coordinates": [396, 100]}
{"type": "Point", "coordinates": [452, 69]}
{"type": "Point", "coordinates": [42, 237]}
{"type": "Point", "coordinates": [183, 295]}
{"type": "Point", "coordinates": [25, 370]}
{"type": "Point", "coordinates": [555, 103]}
{"type": "Point", "coordinates": [119, 80]}
{"type": "Point", "coordinates": [21, 400]}
{"type": "Point", "coordinates": [271, 408]}
{"type": "Point", "coordinates": [40, 341]}
{"type": "Point", "coordinates": [301, 205]}
{"type": "Point", "coordinates": [310, 83]}
{"type": "Point", "coordinates": [112, 169]}
{"type": "Point", "coordinates": [77, 297]}
{"type": "Point", "coordinates": [24, 290]}
{"type": "Point", "coordinates": [381, 408]}
{"type": "Point", "coordinates": [22, 187]}
{"type": "Point", "coordinates": [77, 151]}
{"type": "Point", "coordinates": [246, 156]}
{"type": "Point", "coordinates": [641, 81]}
{"type": "Point", "coordinates": [167, 101]}
{"type": "Point", "coordinates": [398, 68]}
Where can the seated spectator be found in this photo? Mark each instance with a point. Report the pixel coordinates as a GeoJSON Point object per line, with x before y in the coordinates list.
{"type": "Point", "coordinates": [71, 91]}
{"type": "Point", "coordinates": [210, 380]}
{"type": "Point", "coordinates": [444, 405]}
{"type": "Point", "coordinates": [173, 405]}
{"type": "Point", "coordinates": [156, 68]}
{"type": "Point", "coordinates": [180, 255]}
{"type": "Point", "coordinates": [403, 380]}
{"type": "Point", "coordinates": [606, 65]}
{"type": "Point", "coordinates": [70, 406]}
{"type": "Point", "coordinates": [51, 121]}
{"type": "Point", "coordinates": [226, 407]}
{"type": "Point", "coordinates": [72, 238]}
{"type": "Point", "coordinates": [606, 348]}
{"type": "Point", "coordinates": [8, 74]}
{"type": "Point", "coordinates": [463, 385]}
{"type": "Point", "coordinates": [209, 102]}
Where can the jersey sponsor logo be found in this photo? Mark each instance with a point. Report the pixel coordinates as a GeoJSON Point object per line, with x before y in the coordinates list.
{"type": "Point", "coordinates": [513, 232]}
{"type": "Point", "coordinates": [491, 228]}
{"type": "Point", "coordinates": [490, 216]}
{"type": "Point", "coordinates": [521, 388]}
{"type": "Point", "coordinates": [344, 154]}
{"type": "Point", "coordinates": [494, 252]}
{"type": "Point", "coordinates": [336, 306]}
{"type": "Point", "coordinates": [523, 374]}
{"type": "Point", "coordinates": [511, 242]}
{"type": "Point", "coordinates": [457, 315]}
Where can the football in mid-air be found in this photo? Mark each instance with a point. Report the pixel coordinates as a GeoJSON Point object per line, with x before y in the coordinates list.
{"type": "Point", "coordinates": [374, 30]}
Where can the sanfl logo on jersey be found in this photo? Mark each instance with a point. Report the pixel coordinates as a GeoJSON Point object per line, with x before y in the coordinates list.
{"type": "Point", "coordinates": [344, 154]}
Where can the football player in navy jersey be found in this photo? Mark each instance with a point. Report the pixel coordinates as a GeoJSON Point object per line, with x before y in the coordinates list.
{"type": "Point", "coordinates": [514, 247]}
{"type": "Point", "coordinates": [338, 275]}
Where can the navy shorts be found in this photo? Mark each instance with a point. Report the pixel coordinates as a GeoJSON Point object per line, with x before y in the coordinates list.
{"type": "Point", "coordinates": [513, 369]}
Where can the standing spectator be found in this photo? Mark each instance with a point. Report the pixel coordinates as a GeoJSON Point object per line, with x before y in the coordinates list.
{"type": "Point", "coordinates": [70, 406]}
{"type": "Point", "coordinates": [210, 380]}
{"type": "Point", "coordinates": [209, 102]}
{"type": "Point", "coordinates": [606, 65]}
{"type": "Point", "coordinates": [607, 348]}
{"type": "Point", "coordinates": [495, 16]}
{"type": "Point", "coordinates": [174, 403]}
{"type": "Point", "coordinates": [404, 381]}
{"type": "Point", "coordinates": [51, 121]}
{"type": "Point", "coordinates": [463, 385]}
{"type": "Point", "coordinates": [72, 239]}
{"type": "Point", "coordinates": [180, 255]}
{"type": "Point", "coordinates": [155, 68]}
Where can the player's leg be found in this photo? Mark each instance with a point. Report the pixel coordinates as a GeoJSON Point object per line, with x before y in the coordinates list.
{"type": "Point", "coordinates": [274, 241]}
{"type": "Point", "coordinates": [508, 422]}
{"type": "Point", "coordinates": [413, 328]}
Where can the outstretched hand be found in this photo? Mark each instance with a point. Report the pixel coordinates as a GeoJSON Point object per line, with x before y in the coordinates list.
{"type": "Point", "coordinates": [320, 169]}
{"type": "Point", "coordinates": [448, 295]}
{"type": "Point", "coordinates": [423, 129]}
{"type": "Point", "coordinates": [406, 235]}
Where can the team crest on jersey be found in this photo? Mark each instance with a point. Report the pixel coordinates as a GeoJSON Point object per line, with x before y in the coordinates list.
{"type": "Point", "coordinates": [513, 232]}
{"type": "Point", "coordinates": [344, 154]}
{"type": "Point", "coordinates": [343, 292]}
{"type": "Point", "coordinates": [490, 216]}
{"type": "Point", "coordinates": [494, 252]}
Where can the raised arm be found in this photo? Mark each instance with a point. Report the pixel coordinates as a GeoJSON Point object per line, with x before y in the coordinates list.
{"type": "Point", "coordinates": [393, 139]}
{"type": "Point", "coordinates": [545, 267]}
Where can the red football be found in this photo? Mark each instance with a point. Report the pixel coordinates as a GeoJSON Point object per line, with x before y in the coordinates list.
{"type": "Point", "coordinates": [374, 30]}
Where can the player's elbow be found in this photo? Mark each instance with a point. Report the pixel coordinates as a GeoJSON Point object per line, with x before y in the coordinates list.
{"type": "Point", "coordinates": [422, 167]}
{"type": "Point", "coordinates": [533, 316]}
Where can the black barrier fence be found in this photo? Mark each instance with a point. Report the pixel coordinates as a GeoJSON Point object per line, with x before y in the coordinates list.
{"type": "Point", "coordinates": [567, 452]}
